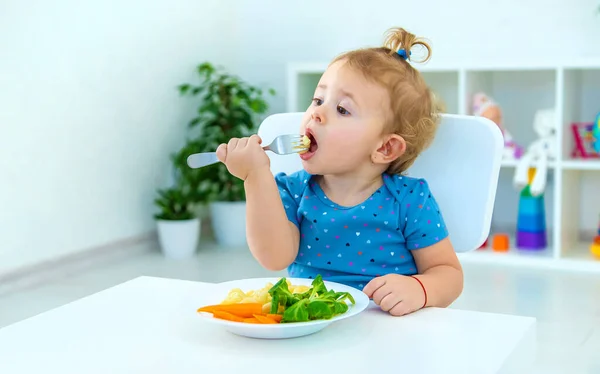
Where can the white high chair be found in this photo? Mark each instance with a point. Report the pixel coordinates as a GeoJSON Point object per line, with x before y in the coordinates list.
{"type": "Point", "coordinates": [461, 166]}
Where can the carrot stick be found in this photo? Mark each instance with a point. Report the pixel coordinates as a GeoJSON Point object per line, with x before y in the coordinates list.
{"type": "Point", "coordinates": [264, 319]}
{"type": "Point", "coordinates": [251, 320]}
{"type": "Point", "coordinates": [276, 317]}
{"type": "Point", "coordinates": [246, 310]}
{"type": "Point", "coordinates": [227, 316]}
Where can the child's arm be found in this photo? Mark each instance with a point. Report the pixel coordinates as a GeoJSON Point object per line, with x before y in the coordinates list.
{"type": "Point", "coordinates": [439, 278]}
{"type": "Point", "coordinates": [272, 238]}
{"type": "Point", "coordinates": [440, 272]}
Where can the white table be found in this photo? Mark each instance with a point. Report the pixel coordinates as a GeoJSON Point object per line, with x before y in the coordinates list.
{"type": "Point", "coordinates": [149, 325]}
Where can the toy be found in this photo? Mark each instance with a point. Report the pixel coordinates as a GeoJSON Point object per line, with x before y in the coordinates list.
{"type": "Point", "coordinates": [538, 154]}
{"type": "Point", "coordinates": [595, 247]}
{"type": "Point", "coordinates": [587, 139]}
{"type": "Point", "coordinates": [596, 134]}
{"type": "Point", "coordinates": [484, 106]}
{"type": "Point", "coordinates": [531, 219]}
{"type": "Point", "coordinates": [500, 243]}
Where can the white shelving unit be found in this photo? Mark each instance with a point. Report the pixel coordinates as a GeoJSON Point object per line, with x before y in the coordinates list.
{"type": "Point", "coordinates": [572, 195]}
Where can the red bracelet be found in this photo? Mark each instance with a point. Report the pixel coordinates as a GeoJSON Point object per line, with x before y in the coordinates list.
{"type": "Point", "coordinates": [424, 290]}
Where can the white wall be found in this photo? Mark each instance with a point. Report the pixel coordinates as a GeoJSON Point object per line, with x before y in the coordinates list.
{"type": "Point", "coordinates": [89, 113]}
{"type": "Point", "coordinates": [270, 32]}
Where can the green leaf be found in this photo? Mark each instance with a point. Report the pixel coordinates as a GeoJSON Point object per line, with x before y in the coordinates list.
{"type": "Point", "coordinates": [259, 106]}
{"type": "Point", "coordinates": [319, 309]}
{"type": "Point", "coordinates": [319, 285]}
{"type": "Point", "coordinates": [282, 295]}
{"type": "Point", "coordinates": [274, 303]}
{"type": "Point", "coordinates": [206, 68]}
{"type": "Point", "coordinates": [194, 122]}
{"type": "Point", "coordinates": [173, 204]}
{"type": "Point", "coordinates": [298, 312]}
{"type": "Point", "coordinates": [339, 308]}
{"type": "Point", "coordinates": [342, 296]}
{"type": "Point", "coordinates": [183, 88]}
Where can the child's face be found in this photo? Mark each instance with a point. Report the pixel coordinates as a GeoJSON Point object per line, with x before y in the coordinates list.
{"type": "Point", "coordinates": [345, 122]}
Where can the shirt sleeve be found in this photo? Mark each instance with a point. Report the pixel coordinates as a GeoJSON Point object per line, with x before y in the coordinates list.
{"type": "Point", "coordinates": [289, 191]}
{"type": "Point", "coordinates": [424, 221]}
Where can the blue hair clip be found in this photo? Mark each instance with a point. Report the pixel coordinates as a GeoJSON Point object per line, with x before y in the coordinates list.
{"type": "Point", "coordinates": [402, 53]}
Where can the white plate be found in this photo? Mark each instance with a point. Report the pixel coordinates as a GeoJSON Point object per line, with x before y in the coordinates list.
{"type": "Point", "coordinates": [280, 330]}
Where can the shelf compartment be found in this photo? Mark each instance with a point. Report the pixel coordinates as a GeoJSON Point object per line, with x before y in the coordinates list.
{"type": "Point", "coordinates": [506, 209]}
{"type": "Point", "coordinates": [579, 213]}
{"type": "Point", "coordinates": [520, 94]}
{"type": "Point", "coordinates": [581, 97]}
{"type": "Point", "coordinates": [580, 252]}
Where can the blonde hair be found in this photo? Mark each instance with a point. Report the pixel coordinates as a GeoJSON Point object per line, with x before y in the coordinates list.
{"type": "Point", "coordinates": [413, 107]}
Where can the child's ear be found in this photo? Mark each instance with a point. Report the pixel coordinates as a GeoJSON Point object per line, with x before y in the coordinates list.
{"type": "Point", "coordinates": [392, 147]}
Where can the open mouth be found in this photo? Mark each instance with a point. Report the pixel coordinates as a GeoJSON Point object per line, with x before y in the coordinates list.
{"type": "Point", "coordinates": [313, 146]}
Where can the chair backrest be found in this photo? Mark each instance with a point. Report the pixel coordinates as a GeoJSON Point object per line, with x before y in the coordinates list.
{"type": "Point", "coordinates": [461, 166]}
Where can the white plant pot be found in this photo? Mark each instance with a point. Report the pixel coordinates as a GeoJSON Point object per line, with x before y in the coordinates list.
{"type": "Point", "coordinates": [179, 238]}
{"type": "Point", "coordinates": [229, 223]}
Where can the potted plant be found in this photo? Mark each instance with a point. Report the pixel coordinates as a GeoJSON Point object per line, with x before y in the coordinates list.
{"type": "Point", "coordinates": [178, 228]}
{"type": "Point", "coordinates": [227, 108]}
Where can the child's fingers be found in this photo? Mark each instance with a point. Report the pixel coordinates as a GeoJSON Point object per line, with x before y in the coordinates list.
{"type": "Point", "coordinates": [390, 301]}
{"type": "Point", "coordinates": [373, 286]}
{"type": "Point", "coordinates": [381, 293]}
{"type": "Point", "coordinates": [241, 144]}
{"type": "Point", "coordinates": [255, 138]}
{"type": "Point", "coordinates": [400, 309]}
{"type": "Point", "coordinates": [222, 152]}
{"type": "Point", "coordinates": [232, 144]}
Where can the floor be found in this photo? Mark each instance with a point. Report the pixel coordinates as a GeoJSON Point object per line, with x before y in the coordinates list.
{"type": "Point", "coordinates": [566, 305]}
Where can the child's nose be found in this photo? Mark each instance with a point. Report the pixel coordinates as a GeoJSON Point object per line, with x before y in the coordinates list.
{"type": "Point", "coordinates": [318, 115]}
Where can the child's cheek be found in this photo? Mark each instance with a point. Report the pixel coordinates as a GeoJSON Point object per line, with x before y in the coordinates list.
{"type": "Point", "coordinates": [350, 139]}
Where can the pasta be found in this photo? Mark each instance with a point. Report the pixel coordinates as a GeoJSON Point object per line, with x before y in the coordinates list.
{"type": "Point", "coordinates": [260, 296]}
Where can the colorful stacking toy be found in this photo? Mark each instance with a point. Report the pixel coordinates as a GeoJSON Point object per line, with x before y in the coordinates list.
{"type": "Point", "coordinates": [531, 220]}
{"type": "Point", "coordinates": [596, 134]}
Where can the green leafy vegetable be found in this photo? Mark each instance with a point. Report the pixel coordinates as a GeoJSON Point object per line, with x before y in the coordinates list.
{"type": "Point", "coordinates": [281, 295]}
{"type": "Point", "coordinates": [316, 303]}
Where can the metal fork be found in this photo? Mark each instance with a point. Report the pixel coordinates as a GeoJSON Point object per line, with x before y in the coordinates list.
{"type": "Point", "coordinates": [281, 145]}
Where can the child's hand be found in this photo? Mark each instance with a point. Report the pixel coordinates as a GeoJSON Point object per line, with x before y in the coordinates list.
{"type": "Point", "coordinates": [396, 294]}
{"type": "Point", "coordinates": [242, 156]}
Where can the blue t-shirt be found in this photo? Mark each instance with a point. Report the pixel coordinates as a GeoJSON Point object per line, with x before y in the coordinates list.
{"type": "Point", "coordinates": [353, 245]}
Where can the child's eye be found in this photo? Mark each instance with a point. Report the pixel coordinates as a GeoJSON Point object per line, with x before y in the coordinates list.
{"type": "Point", "coordinates": [317, 101]}
{"type": "Point", "coordinates": [342, 111]}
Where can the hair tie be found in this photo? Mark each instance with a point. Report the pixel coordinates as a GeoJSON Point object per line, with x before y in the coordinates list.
{"type": "Point", "coordinates": [402, 53]}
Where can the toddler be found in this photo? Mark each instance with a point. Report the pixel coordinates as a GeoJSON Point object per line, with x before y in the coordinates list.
{"type": "Point", "coordinates": [350, 214]}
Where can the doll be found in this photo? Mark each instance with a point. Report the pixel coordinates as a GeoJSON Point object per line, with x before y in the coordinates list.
{"type": "Point", "coordinates": [484, 106]}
